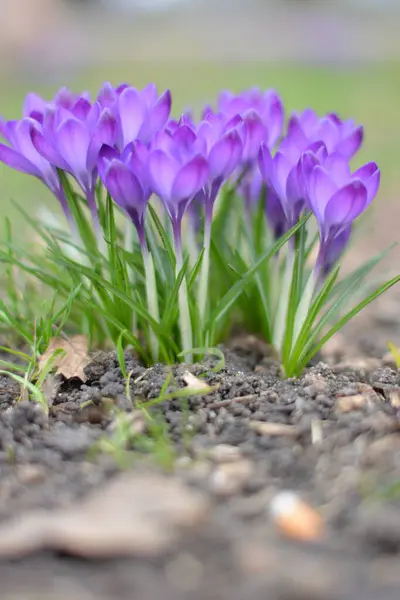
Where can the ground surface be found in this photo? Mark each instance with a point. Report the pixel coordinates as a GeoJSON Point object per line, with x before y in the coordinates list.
{"type": "Point", "coordinates": [73, 525]}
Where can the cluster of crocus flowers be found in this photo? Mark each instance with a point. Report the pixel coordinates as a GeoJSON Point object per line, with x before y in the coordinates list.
{"type": "Point", "coordinates": [127, 139]}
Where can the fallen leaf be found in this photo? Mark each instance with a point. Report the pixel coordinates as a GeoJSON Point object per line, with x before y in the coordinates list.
{"type": "Point", "coordinates": [195, 384]}
{"type": "Point", "coordinates": [74, 359]}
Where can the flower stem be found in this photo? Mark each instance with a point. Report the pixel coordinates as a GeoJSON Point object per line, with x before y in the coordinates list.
{"type": "Point", "coordinates": [280, 320]}
{"type": "Point", "coordinates": [185, 323]}
{"type": "Point", "coordinates": [205, 267]}
{"type": "Point", "coordinates": [131, 273]}
{"type": "Point", "coordinates": [151, 294]}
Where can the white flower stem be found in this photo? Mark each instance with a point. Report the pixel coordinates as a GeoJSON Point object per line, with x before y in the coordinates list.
{"type": "Point", "coordinates": [185, 323]}
{"type": "Point", "coordinates": [282, 310]}
{"type": "Point", "coordinates": [152, 299]}
{"type": "Point", "coordinates": [205, 270]}
{"type": "Point", "coordinates": [131, 273]}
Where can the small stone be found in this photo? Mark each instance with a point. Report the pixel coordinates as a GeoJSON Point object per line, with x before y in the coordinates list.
{"type": "Point", "coordinates": [349, 403]}
{"type": "Point", "coordinates": [225, 453]}
{"type": "Point", "coordinates": [230, 478]}
{"type": "Point", "coordinates": [294, 518]}
{"type": "Point", "coordinates": [315, 381]}
{"type": "Point", "coordinates": [31, 474]}
{"type": "Point", "coordinates": [274, 429]}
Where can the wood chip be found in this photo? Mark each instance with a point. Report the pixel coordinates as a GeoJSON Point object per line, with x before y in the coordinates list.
{"type": "Point", "coordinates": [274, 429]}
{"type": "Point", "coordinates": [195, 384]}
{"type": "Point", "coordinates": [349, 403]}
{"type": "Point", "coordinates": [75, 358]}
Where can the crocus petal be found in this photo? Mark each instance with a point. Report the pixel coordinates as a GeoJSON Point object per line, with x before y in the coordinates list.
{"type": "Point", "coordinates": [190, 179]}
{"type": "Point", "coordinates": [22, 141]}
{"type": "Point", "coordinates": [265, 163]}
{"type": "Point", "coordinates": [255, 134]}
{"type": "Point", "coordinates": [327, 132]}
{"type": "Point", "coordinates": [65, 98]}
{"type": "Point", "coordinates": [3, 129]}
{"type": "Point", "coordinates": [106, 155]}
{"type": "Point", "coordinates": [16, 161]}
{"type": "Point", "coordinates": [321, 189]}
{"type": "Point", "coordinates": [332, 249]}
{"type": "Point", "coordinates": [338, 168]}
{"type": "Point", "coordinates": [149, 94]}
{"type": "Point", "coordinates": [73, 141]}
{"type": "Point", "coordinates": [225, 155]}
{"type": "Point", "coordinates": [275, 214]}
{"type": "Point", "coordinates": [46, 150]}
{"type": "Point", "coordinates": [107, 95]}
{"type": "Point", "coordinates": [136, 159]}
{"type": "Point", "coordinates": [308, 121]}
{"type": "Point", "coordinates": [282, 168]}
{"type": "Point", "coordinates": [81, 109]}
{"type": "Point", "coordinates": [156, 118]}
{"type": "Point", "coordinates": [307, 163]}
{"type": "Point", "coordinates": [34, 105]}
{"type": "Point", "coordinates": [350, 144]}
{"type": "Point", "coordinates": [275, 117]}
{"type": "Point", "coordinates": [132, 114]}
{"type": "Point", "coordinates": [346, 205]}
{"type": "Point", "coordinates": [162, 170]}
{"type": "Point", "coordinates": [106, 133]}
{"type": "Point", "coordinates": [125, 189]}
{"type": "Point", "coordinates": [295, 134]}
{"type": "Point", "coordinates": [370, 175]}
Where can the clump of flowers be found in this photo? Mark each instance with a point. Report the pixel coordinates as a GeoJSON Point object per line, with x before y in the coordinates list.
{"type": "Point", "coordinates": [180, 229]}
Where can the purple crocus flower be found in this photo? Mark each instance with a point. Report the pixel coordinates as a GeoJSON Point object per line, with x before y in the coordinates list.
{"type": "Point", "coordinates": [221, 145]}
{"type": "Point", "coordinates": [20, 154]}
{"type": "Point", "coordinates": [124, 175]}
{"type": "Point", "coordinates": [177, 174]}
{"type": "Point", "coordinates": [337, 197]}
{"type": "Point", "coordinates": [71, 141]}
{"type": "Point", "coordinates": [282, 174]}
{"type": "Point", "coordinates": [140, 113]}
{"type": "Point", "coordinates": [339, 136]}
{"type": "Point", "coordinates": [267, 106]}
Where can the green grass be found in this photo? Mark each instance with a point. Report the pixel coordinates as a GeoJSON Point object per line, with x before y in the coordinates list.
{"type": "Point", "coordinates": [369, 94]}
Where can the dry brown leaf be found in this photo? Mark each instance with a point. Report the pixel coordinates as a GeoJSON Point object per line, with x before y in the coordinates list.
{"type": "Point", "coordinates": [75, 359]}
{"type": "Point", "coordinates": [195, 384]}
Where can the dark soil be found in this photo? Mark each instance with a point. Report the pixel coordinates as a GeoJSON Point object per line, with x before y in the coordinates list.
{"type": "Point", "coordinates": [340, 454]}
